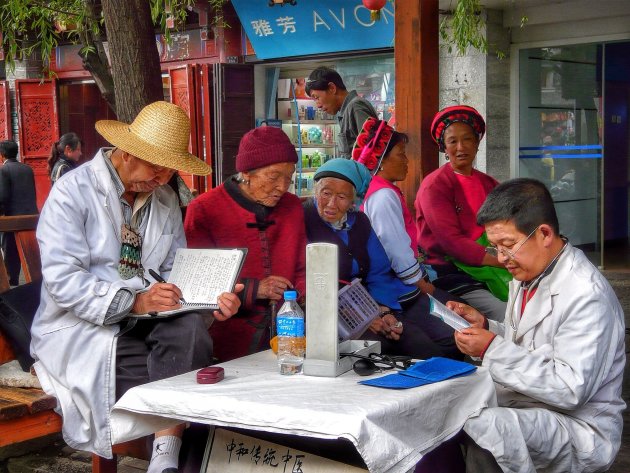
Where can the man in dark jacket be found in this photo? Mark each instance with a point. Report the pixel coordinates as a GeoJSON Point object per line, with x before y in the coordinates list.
{"type": "Point", "coordinates": [17, 197]}
{"type": "Point", "coordinates": [326, 88]}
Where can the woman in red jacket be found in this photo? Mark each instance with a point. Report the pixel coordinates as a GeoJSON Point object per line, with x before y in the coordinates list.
{"type": "Point", "coordinates": [253, 210]}
{"type": "Point", "coordinates": [446, 210]}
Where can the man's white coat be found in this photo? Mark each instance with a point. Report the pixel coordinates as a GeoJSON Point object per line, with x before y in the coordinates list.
{"type": "Point", "coordinates": [79, 239]}
{"type": "Point", "coordinates": [558, 375]}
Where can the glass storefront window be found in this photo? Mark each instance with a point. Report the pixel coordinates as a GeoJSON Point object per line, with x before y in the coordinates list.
{"type": "Point", "coordinates": [372, 78]}
{"type": "Point", "coordinates": [560, 135]}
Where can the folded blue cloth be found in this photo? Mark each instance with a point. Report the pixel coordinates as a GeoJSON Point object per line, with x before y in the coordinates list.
{"type": "Point", "coordinates": [438, 369]}
{"type": "Point", "coordinates": [422, 373]}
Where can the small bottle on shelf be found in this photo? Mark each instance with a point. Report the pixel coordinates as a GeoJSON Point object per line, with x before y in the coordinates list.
{"type": "Point", "coordinates": [316, 159]}
{"type": "Point", "coordinates": [306, 161]}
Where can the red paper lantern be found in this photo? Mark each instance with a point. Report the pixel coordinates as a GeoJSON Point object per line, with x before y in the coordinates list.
{"type": "Point", "coordinates": [375, 8]}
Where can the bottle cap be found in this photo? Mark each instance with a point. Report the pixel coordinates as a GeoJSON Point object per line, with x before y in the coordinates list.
{"type": "Point", "coordinates": [290, 295]}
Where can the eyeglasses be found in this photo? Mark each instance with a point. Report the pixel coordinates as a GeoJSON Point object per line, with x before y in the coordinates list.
{"type": "Point", "coordinates": [375, 363]}
{"type": "Point", "coordinates": [511, 255]}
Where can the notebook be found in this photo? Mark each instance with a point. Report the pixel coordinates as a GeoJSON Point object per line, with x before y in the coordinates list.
{"type": "Point", "coordinates": [202, 275]}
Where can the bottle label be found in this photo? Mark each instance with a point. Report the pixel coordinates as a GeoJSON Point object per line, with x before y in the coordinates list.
{"type": "Point", "coordinates": [290, 326]}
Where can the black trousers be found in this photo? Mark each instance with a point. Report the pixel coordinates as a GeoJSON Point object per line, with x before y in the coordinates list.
{"type": "Point", "coordinates": [11, 258]}
{"type": "Point", "coordinates": [158, 349]}
{"type": "Point", "coordinates": [424, 335]}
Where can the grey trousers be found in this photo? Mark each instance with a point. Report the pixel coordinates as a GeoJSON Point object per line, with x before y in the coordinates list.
{"type": "Point", "coordinates": [158, 349]}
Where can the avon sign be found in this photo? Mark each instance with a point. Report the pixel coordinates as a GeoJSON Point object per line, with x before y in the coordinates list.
{"type": "Point", "coordinates": [313, 27]}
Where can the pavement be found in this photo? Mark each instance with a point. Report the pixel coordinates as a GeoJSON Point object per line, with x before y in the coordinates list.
{"type": "Point", "coordinates": [51, 454]}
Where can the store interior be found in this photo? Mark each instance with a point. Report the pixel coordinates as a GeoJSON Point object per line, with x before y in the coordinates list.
{"type": "Point", "coordinates": [282, 101]}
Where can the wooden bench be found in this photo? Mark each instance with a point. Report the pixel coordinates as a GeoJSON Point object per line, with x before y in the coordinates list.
{"type": "Point", "coordinates": [25, 414]}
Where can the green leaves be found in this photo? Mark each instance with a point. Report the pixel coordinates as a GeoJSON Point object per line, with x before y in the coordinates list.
{"type": "Point", "coordinates": [465, 28]}
{"type": "Point", "coordinates": [32, 26]}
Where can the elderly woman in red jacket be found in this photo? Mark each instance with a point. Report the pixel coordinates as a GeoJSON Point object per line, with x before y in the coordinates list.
{"type": "Point", "coordinates": [253, 210]}
{"type": "Point", "coordinates": [446, 211]}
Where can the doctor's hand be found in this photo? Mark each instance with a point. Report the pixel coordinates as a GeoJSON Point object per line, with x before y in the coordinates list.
{"type": "Point", "coordinates": [159, 297]}
{"type": "Point", "coordinates": [472, 316]}
{"type": "Point", "coordinates": [229, 304]}
{"type": "Point", "coordinates": [473, 341]}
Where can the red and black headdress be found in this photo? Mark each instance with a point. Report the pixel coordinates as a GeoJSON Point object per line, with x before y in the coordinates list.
{"type": "Point", "coordinates": [371, 143]}
{"type": "Point", "coordinates": [457, 113]}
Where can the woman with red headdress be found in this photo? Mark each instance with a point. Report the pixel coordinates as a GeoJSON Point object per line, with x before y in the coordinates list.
{"type": "Point", "coordinates": [446, 216]}
{"type": "Point", "coordinates": [383, 151]}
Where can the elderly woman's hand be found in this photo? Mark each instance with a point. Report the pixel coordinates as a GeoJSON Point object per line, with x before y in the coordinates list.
{"type": "Point", "coordinates": [273, 287]}
{"type": "Point", "coordinates": [388, 326]}
{"type": "Point", "coordinates": [229, 304]}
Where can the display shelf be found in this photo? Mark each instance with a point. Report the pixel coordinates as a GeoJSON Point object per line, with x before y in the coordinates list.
{"type": "Point", "coordinates": [311, 131]}
{"type": "Point", "coordinates": [309, 122]}
{"type": "Point", "coordinates": [284, 99]}
{"type": "Point", "coordinates": [313, 145]}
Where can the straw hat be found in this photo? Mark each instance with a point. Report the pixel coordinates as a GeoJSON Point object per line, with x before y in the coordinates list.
{"type": "Point", "coordinates": [159, 134]}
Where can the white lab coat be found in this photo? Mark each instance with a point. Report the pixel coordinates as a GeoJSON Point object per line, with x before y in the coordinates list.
{"type": "Point", "coordinates": [558, 377]}
{"type": "Point", "coordinates": [79, 239]}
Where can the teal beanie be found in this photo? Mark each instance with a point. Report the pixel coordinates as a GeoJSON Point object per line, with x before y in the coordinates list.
{"type": "Point", "coordinates": [351, 171]}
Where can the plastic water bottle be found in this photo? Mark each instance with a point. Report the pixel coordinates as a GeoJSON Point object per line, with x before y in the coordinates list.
{"type": "Point", "coordinates": [290, 331]}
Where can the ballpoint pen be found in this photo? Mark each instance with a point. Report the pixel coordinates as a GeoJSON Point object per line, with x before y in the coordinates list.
{"type": "Point", "coordinates": [159, 278]}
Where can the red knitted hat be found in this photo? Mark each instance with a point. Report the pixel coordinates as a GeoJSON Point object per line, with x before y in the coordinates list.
{"type": "Point", "coordinates": [371, 143]}
{"type": "Point", "coordinates": [457, 113]}
{"type": "Point", "coordinates": [263, 146]}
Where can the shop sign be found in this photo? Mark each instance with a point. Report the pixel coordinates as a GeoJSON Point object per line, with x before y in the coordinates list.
{"type": "Point", "coordinates": [185, 45]}
{"type": "Point", "coordinates": [313, 27]}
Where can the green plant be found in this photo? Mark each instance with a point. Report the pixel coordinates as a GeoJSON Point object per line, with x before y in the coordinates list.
{"type": "Point", "coordinates": [30, 26]}
{"type": "Point", "coordinates": [464, 27]}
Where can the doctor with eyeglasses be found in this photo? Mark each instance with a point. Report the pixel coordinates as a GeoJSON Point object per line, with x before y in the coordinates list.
{"type": "Point", "coordinates": [558, 358]}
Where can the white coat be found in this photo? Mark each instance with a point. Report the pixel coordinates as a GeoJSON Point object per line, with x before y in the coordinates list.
{"type": "Point", "coordinates": [558, 376]}
{"type": "Point", "coordinates": [79, 239]}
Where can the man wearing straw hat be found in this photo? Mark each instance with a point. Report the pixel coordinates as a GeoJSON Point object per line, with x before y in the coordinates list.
{"type": "Point", "coordinates": [102, 228]}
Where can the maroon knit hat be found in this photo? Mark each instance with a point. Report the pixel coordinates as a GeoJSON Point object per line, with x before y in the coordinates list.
{"type": "Point", "coordinates": [457, 113]}
{"type": "Point", "coordinates": [263, 146]}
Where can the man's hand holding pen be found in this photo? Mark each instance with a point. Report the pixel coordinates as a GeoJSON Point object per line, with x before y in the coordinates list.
{"type": "Point", "coordinates": [160, 297]}
{"type": "Point", "coordinates": [160, 279]}
{"type": "Point", "coordinates": [163, 296]}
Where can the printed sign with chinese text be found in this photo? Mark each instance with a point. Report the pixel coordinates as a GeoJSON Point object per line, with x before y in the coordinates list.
{"type": "Point", "coordinates": [232, 452]}
{"type": "Point", "coordinates": [313, 27]}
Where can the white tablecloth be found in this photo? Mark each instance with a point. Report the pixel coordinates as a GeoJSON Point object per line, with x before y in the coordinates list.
{"type": "Point", "coordinates": [391, 429]}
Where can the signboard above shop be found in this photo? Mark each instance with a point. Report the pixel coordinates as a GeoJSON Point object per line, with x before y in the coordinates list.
{"type": "Point", "coordinates": [313, 27]}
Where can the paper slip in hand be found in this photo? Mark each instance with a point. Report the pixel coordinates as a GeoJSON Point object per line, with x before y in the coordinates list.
{"type": "Point", "coordinates": [447, 315]}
